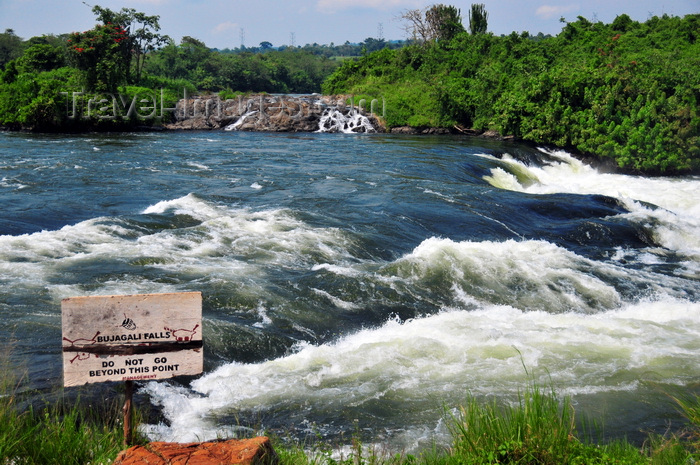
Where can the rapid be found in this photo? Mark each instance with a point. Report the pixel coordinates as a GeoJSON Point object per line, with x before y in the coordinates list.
{"type": "Point", "coordinates": [360, 284]}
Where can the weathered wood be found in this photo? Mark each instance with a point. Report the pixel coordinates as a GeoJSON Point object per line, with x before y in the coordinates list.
{"type": "Point", "coordinates": [128, 411]}
{"type": "Point", "coordinates": [131, 337]}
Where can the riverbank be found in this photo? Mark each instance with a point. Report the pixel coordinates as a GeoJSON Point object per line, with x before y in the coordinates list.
{"type": "Point", "coordinates": [328, 113]}
{"type": "Point", "coordinates": [623, 91]}
{"type": "Point", "coordinates": [144, 110]}
{"type": "Point", "coordinates": [542, 428]}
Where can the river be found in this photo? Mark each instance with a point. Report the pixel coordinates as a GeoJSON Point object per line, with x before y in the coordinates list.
{"type": "Point", "coordinates": [360, 284]}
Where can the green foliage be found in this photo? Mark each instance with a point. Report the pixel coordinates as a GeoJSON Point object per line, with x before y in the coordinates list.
{"type": "Point", "coordinates": [290, 70]}
{"type": "Point", "coordinates": [103, 56]}
{"type": "Point", "coordinates": [41, 57]}
{"type": "Point", "coordinates": [10, 47]}
{"type": "Point", "coordinates": [113, 53]}
{"type": "Point", "coordinates": [478, 19]}
{"type": "Point", "coordinates": [44, 78]}
{"type": "Point", "coordinates": [540, 428]}
{"type": "Point", "coordinates": [33, 100]}
{"type": "Point", "coordinates": [627, 91]}
{"type": "Point", "coordinates": [140, 35]}
{"type": "Point", "coordinates": [57, 433]}
{"type": "Point", "coordinates": [446, 21]}
{"type": "Point", "coordinates": [39, 92]}
{"type": "Point", "coordinates": [433, 23]}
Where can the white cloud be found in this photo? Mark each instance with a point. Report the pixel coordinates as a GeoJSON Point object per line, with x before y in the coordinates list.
{"type": "Point", "coordinates": [331, 6]}
{"type": "Point", "coordinates": [225, 27]}
{"type": "Point", "coordinates": [552, 11]}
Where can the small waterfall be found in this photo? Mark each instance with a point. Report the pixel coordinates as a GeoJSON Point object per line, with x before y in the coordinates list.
{"type": "Point", "coordinates": [239, 122]}
{"type": "Point", "coordinates": [333, 120]}
{"type": "Point", "coordinates": [297, 113]}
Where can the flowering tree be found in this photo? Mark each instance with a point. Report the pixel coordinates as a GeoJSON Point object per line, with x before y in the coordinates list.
{"type": "Point", "coordinates": [113, 53]}
{"type": "Point", "coordinates": [102, 54]}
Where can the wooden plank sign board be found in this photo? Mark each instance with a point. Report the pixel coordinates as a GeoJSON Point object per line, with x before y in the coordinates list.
{"type": "Point", "coordinates": [131, 337]}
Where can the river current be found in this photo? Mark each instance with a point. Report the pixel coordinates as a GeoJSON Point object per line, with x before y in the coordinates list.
{"type": "Point", "coordinates": [360, 284]}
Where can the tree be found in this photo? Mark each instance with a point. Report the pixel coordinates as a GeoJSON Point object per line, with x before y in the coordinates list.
{"type": "Point", "coordinates": [622, 23]}
{"type": "Point", "coordinates": [41, 57]}
{"type": "Point", "coordinates": [434, 23]}
{"type": "Point", "coordinates": [416, 26]}
{"type": "Point", "coordinates": [10, 46]}
{"type": "Point", "coordinates": [141, 35]}
{"type": "Point", "coordinates": [445, 22]}
{"type": "Point", "coordinates": [265, 45]}
{"type": "Point", "coordinates": [102, 55]}
{"type": "Point", "coordinates": [478, 19]}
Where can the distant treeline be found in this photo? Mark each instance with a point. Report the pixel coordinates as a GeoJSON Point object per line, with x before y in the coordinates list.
{"type": "Point", "coordinates": [627, 90]}
{"type": "Point", "coordinates": [347, 49]}
{"type": "Point", "coordinates": [88, 80]}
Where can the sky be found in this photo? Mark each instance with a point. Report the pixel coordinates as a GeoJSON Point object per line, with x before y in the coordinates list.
{"type": "Point", "coordinates": [230, 23]}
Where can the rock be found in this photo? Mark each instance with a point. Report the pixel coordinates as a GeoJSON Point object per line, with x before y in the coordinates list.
{"type": "Point", "coordinates": [256, 451]}
{"type": "Point", "coordinates": [404, 130]}
{"type": "Point", "coordinates": [491, 134]}
{"type": "Point", "coordinates": [262, 112]}
{"type": "Point", "coordinates": [419, 130]}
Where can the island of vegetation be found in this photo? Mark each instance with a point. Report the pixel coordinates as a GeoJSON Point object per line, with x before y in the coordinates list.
{"type": "Point", "coordinates": [626, 91]}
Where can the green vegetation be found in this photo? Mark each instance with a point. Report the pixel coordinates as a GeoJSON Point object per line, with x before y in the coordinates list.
{"type": "Point", "coordinates": [88, 80]}
{"type": "Point", "coordinates": [540, 428]}
{"type": "Point", "coordinates": [434, 23]}
{"type": "Point", "coordinates": [627, 90]}
{"type": "Point", "coordinates": [289, 70]}
{"type": "Point", "coordinates": [56, 433]}
{"type": "Point", "coordinates": [84, 80]}
{"type": "Point", "coordinates": [478, 19]}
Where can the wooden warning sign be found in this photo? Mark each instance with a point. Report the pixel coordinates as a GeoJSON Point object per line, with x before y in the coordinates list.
{"type": "Point", "coordinates": [131, 337]}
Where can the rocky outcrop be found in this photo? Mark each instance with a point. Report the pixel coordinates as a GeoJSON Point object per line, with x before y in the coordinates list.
{"type": "Point", "coordinates": [419, 130]}
{"type": "Point", "coordinates": [274, 113]}
{"type": "Point", "coordinates": [256, 451]}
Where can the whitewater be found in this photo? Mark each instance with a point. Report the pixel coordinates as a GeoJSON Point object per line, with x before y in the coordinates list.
{"type": "Point", "coordinates": [362, 282]}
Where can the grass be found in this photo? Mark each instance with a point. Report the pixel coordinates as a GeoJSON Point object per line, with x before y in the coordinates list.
{"type": "Point", "coordinates": [539, 428]}
{"type": "Point", "coordinates": [55, 433]}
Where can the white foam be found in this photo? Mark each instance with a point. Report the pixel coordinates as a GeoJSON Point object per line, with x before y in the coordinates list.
{"type": "Point", "coordinates": [676, 224]}
{"type": "Point", "coordinates": [199, 166]}
{"type": "Point", "coordinates": [572, 176]}
{"type": "Point", "coordinates": [531, 275]}
{"type": "Point", "coordinates": [338, 302]}
{"type": "Point", "coordinates": [333, 120]}
{"type": "Point", "coordinates": [440, 357]}
{"type": "Point", "coordinates": [235, 126]}
{"type": "Point", "coordinates": [222, 243]}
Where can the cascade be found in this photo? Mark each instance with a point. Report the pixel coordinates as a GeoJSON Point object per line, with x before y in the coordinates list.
{"type": "Point", "coordinates": [333, 120]}
{"type": "Point", "coordinates": [239, 122]}
{"type": "Point", "coordinates": [297, 113]}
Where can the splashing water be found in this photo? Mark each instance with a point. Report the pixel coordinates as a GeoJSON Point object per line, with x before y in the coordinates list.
{"type": "Point", "coordinates": [333, 120]}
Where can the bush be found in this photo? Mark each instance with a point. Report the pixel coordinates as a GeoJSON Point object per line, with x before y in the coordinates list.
{"type": "Point", "coordinates": [627, 91]}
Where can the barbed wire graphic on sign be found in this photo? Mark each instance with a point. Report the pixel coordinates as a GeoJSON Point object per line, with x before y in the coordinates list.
{"type": "Point", "coordinates": [183, 335]}
{"type": "Point", "coordinates": [82, 341]}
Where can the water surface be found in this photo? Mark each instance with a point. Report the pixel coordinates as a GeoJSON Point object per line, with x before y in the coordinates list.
{"type": "Point", "coordinates": [360, 281]}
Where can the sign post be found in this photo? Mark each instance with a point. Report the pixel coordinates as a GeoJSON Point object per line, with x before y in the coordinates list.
{"type": "Point", "coordinates": [131, 337]}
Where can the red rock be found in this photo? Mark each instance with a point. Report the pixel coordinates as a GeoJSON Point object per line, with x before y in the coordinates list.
{"type": "Point", "coordinates": [256, 451]}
